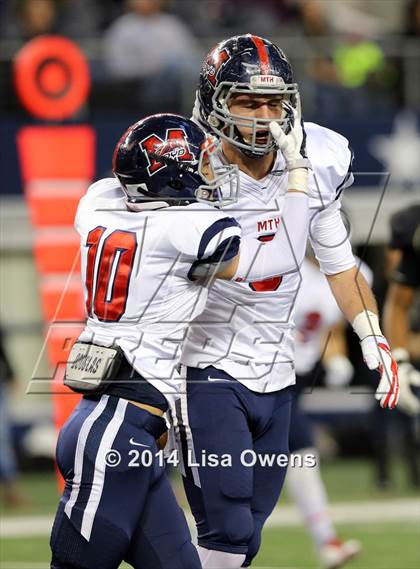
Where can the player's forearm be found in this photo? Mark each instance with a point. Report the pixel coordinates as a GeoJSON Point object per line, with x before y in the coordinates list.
{"type": "Point", "coordinates": [356, 300]}
{"type": "Point", "coordinates": [352, 293]}
{"type": "Point", "coordinates": [397, 305]}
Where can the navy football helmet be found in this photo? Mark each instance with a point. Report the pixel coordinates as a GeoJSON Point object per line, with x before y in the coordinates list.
{"type": "Point", "coordinates": [167, 158]}
{"type": "Point", "coordinates": [244, 64]}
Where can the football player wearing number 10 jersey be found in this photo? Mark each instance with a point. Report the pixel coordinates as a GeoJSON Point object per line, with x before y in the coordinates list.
{"type": "Point", "coordinates": [239, 355]}
{"type": "Point", "coordinates": [152, 243]}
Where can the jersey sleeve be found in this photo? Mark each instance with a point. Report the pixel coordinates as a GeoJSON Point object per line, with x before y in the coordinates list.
{"type": "Point", "coordinates": [332, 159]}
{"type": "Point", "coordinates": [329, 239]}
{"type": "Point", "coordinates": [205, 236]}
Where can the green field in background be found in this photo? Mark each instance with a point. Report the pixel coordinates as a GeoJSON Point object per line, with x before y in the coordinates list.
{"type": "Point", "coordinates": [385, 545]}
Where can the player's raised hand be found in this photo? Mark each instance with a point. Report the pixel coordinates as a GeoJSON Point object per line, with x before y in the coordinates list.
{"type": "Point", "coordinates": [293, 144]}
{"type": "Point", "coordinates": [377, 355]}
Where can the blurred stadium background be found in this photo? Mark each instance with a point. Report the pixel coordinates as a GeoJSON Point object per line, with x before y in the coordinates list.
{"type": "Point", "coordinates": [358, 65]}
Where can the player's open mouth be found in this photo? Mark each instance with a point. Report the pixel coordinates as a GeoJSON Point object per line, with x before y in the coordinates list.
{"type": "Point", "coordinates": [262, 137]}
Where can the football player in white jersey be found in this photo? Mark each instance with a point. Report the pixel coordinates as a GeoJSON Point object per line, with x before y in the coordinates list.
{"type": "Point", "coordinates": [319, 334]}
{"type": "Point", "coordinates": [238, 357]}
{"type": "Point", "coordinates": [149, 252]}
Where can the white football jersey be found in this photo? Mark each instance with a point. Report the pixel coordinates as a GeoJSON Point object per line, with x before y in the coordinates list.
{"type": "Point", "coordinates": [316, 312]}
{"type": "Point", "coordinates": [246, 329]}
{"type": "Point", "coordinates": [135, 268]}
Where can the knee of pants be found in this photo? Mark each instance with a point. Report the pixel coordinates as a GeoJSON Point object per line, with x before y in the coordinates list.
{"type": "Point", "coordinates": [239, 525]}
{"type": "Point", "coordinates": [235, 528]}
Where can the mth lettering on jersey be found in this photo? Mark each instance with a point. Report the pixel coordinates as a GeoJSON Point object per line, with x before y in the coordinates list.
{"type": "Point", "coordinates": [268, 224]}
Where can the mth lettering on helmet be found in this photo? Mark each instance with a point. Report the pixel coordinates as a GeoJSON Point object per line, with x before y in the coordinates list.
{"type": "Point", "coordinates": [267, 81]}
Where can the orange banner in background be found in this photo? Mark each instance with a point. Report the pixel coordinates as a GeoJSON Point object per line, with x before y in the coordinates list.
{"type": "Point", "coordinates": [57, 165]}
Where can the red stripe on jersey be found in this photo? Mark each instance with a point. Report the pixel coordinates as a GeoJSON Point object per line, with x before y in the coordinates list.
{"type": "Point", "coordinates": [262, 54]}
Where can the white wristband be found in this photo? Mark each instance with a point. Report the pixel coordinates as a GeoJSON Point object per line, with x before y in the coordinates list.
{"type": "Point", "coordinates": [298, 180]}
{"type": "Point", "coordinates": [366, 324]}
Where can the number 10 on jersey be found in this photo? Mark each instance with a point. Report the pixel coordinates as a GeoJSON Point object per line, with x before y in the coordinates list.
{"type": "Point", "coordinates": [108, 270]}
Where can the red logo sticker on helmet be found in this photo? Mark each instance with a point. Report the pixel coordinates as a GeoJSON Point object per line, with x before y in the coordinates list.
{"type": "Point", "coordinates": [174, 146]}
{"type": "Point", "coordinates": [214, 62]}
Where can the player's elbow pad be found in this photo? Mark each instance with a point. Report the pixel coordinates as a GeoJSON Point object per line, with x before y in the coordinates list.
{"type": "Point", "coordinates": [284, 253]}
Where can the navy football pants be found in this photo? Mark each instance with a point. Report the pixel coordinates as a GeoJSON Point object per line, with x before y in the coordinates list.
{"type": "Point", "coordinates": [231, 503]}
{"type": "Point", "coordinates": [117, 504]}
